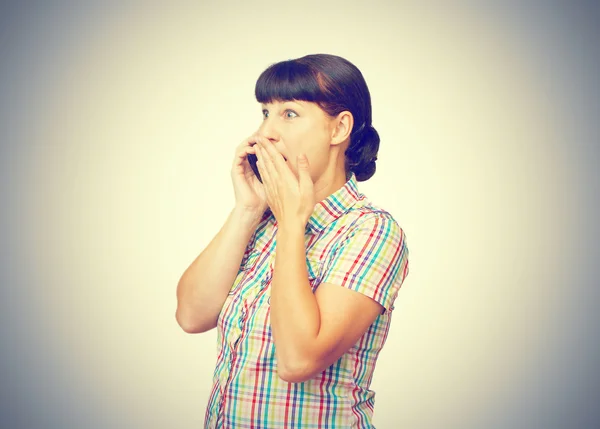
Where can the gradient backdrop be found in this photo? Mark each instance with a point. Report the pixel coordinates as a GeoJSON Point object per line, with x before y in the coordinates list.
{"type": "Point", "coordinates": [117, 130]}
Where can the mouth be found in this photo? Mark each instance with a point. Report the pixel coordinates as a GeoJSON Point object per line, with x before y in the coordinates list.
{"type": "Point", "coordinates": [284, 157]}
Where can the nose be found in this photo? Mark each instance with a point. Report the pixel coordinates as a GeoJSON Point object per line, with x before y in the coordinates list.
{"type": "Point", "coordinates": [268, 130]}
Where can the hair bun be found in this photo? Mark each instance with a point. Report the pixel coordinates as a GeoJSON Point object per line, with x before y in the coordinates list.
{"type": "Point", "coordinates": [369, 133]}
{"type": "Point", "coordinates": [362, 152]}
{"type": "Point", "coordinates": [365, 171]}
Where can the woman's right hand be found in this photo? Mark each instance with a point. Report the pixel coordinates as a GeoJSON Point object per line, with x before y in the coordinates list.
{"type": "Point", "coordinates": [250, 196]}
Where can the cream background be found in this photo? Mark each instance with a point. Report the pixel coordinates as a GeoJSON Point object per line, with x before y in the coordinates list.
{"type": "Point", "coordinates": [117, 133]}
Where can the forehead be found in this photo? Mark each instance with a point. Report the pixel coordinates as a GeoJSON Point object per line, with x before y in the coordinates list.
{"type": "Point", "coordinates": [306, 106]}
{"type": "Point", "coordinates": [276, 103]}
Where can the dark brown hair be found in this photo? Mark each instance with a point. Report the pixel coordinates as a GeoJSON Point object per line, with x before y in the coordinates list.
{"type": "Point", "coordinates": [336, 85]}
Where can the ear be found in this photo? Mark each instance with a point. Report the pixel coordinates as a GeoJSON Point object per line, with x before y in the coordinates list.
{"type": "Point", "coordinates": [342, 127]}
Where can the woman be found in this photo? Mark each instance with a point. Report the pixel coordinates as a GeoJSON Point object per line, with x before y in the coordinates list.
{"type": "Point", "coordinates": [301, 279]}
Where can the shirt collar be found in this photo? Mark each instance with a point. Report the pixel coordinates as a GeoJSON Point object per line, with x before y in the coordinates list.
{"type": "Point", "coordinates": [335, 205]}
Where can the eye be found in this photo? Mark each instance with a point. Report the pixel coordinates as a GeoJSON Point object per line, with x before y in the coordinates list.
{"type": "Point", "coordinates": [289, 114]}
{"type": "Point", "coordinates": [265, 113]}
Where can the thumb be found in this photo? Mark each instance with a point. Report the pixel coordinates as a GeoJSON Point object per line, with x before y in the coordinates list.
{"type": "Point", "coordinates": [304, 172]}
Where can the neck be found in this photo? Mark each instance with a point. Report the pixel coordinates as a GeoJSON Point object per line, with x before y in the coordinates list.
{"type": "Point", "coordinates": [329, 182]}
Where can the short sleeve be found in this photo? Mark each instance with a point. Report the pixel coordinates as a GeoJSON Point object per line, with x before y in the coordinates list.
{"type": "Point", "coordinates": [372, 259]}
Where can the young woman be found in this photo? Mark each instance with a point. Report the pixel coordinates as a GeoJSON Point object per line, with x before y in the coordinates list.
{"type": "Point", "coordinates": [301, 279]}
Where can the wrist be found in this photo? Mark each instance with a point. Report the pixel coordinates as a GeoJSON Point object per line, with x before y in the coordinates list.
{"type": "Point", "coordinates": [291, 228]}
{"type": "Point", "coordinates": [245, 217]}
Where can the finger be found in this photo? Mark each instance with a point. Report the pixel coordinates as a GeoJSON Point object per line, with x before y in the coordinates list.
{"type": "Point", "coordinates": [262, 169]}
{"type": "Point", "coordinates": [304, 179]}
{"type": "Point", "coordinates": [243, 149]}
{"type": "Point", "coordinates": [248, 141]}
{"type": "Point", "coordinates": [275, 161]}
{"type": "Point", "coordinates": [276, 156]}
{"type": "Point", "coordinates": [243, 152]}
{"type": "Point", "coordinates": [240, 149]}
{"type": "Point", "coordinates": [266, 160]}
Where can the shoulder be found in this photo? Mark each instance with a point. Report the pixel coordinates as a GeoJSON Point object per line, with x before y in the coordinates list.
{"type": "Point", "coordinates": [369, 255]}
{"type": "Point", "coordinates": [365, 216]}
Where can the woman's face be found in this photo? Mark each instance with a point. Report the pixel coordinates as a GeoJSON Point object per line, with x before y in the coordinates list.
{"type": "Point", "coordinates": [296, 127]}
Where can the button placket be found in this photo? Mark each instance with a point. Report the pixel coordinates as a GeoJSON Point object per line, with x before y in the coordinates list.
{"type": "Point", "coordinates": [264, 285]}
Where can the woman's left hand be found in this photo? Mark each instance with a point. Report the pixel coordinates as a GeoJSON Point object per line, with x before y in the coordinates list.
{"type": "Point", "coordinates": [291, 199]}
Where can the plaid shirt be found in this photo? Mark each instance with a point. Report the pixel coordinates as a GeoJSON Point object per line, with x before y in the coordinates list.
{"type": "Point", "coordinates": [349, 242]}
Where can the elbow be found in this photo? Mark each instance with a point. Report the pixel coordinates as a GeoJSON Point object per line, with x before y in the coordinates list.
{"type": "Point", "coordinates": [296, 372]}
{"type": "Point", "coordinates": [193, 325]}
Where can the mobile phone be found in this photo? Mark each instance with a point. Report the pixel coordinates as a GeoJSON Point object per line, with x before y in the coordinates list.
{"type": "Point", "coordinates": [252, 161]}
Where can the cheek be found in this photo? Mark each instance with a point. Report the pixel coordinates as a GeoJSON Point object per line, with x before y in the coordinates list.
{"type": "Point", "coordinates": [310, 141]}
{"type": "Point", "coordinates": [318, 160]}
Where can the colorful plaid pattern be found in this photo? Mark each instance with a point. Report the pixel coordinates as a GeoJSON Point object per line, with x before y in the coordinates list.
{"type": "Point", "coordinates": [349, 242]}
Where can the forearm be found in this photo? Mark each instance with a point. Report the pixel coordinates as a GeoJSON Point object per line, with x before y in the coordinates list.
{"type": "Point", "coordinates": [204, 285]}
{"type": "Point", "coordinates": [295, 317]}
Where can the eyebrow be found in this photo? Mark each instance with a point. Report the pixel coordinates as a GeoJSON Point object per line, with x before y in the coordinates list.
{"type": "Point", "coordinates": [294, 102]}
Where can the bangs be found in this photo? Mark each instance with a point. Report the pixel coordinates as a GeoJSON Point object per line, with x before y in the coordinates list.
{"type": "Point", "coordinates": [289, 80]}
